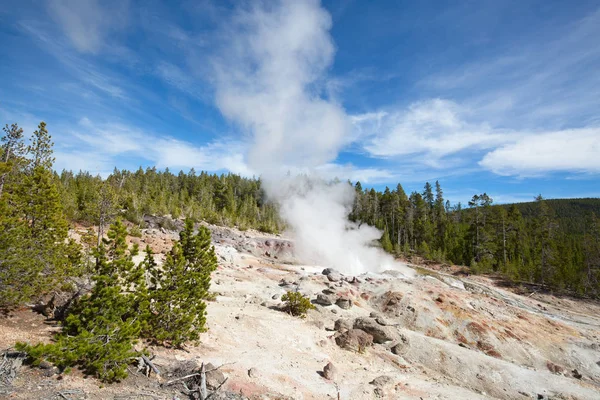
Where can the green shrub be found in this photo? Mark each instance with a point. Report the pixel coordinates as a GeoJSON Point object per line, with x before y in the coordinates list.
{"type": "Point", "coordinates": [297, 304]}
{"type": "Point", "coordinates": [135, 231]}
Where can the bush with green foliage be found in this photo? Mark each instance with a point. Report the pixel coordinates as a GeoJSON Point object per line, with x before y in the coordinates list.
{"type": "Point", "coordinates": [179, 289]}
{"type": "Point", "coordinates": [99, 333]}
{"type": "Point", "coordinates": [297, 304]}
{"type": "Point", "coordinates": [135, 231]}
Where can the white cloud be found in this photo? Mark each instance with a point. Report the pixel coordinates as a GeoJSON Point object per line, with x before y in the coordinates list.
{"type": "Point", "coordinates": [353, 173]}
{"type": "Point", "coordinates": [432, 129]}
{"type": "Point", "coordinates": [573, 150]}
{"type": "Point", "coordinates": [98, 148]}
{"type": "Point", "coordinates": [87, 23]}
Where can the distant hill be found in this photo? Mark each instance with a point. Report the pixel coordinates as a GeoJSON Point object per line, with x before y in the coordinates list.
{"type": "Point", "coordinates": [571, 214]}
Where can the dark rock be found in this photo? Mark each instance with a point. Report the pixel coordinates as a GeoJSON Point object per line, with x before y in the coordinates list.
{"type": "Point", "coordinates": [576, 374]}
{"type": "Point", "coordinates": [344, 303]}
{"type": "Point", "coordinates": [275, 296]}
{"type": "Point", "coordinates": [253, 372]}
{"type": "Point", "coordinates": [328, 271]}
{"type": "Point", "coordinates": [324, 300]}
{"type": "Point", "coordinates": [329, 371]}
{"type": "Point", "coordinates": [354, 340]}
{"type": "Point", "coordinates": [381, 334]}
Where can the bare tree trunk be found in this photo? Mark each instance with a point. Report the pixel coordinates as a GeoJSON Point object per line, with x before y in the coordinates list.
{"type": "Point", "coordinates": [203, 391]}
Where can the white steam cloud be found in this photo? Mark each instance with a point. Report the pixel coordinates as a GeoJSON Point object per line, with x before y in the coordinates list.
{"type": "Point", "coordinates": [267, 78]}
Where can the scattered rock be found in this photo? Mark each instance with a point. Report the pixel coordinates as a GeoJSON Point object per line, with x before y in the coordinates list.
{"type": "Point", "coordinates": [253, 372]}
{"type": "Point", "coordinates": [328, 271]}
{"type": "Point", "coordinates": [330, 371]}
{"type": "Point", "coordinates": [343, 324]}
{"type": "Point", "coordinates": [275, 297]}
{"type": "Point", "coordinates": [402, 346]}
{"type": "Point", "coordinates": [380, 333]}
{"type": "Point", "coordinates": [382, 321]}
{"type": "Point", "coordinates": [354, 340]}
{"type": "Point", "coordinates": [334, 277]}
{"type": "Point", "coordinates": [555, 369]}
{"type": "Point", "coordinates": [576, 374]}
{"type": "Point", "coordinates": [344, 303]}
{"type": "Point", "coordinates": [324, 300]}
{"type": "Point", "coordinates": [214, 377]}
{"type": "Point", "coordinates": [381, 381]}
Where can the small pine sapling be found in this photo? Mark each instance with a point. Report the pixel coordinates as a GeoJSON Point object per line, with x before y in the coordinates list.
{"type": "Point", "coordinates": [297, 304]}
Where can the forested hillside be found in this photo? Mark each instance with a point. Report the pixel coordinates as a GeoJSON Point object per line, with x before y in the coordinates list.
{"type": "Point", "coordinates": [552, 242]}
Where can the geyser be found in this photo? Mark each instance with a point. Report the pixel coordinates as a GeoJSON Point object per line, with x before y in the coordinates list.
{"type": "Point", "coordinates": [268, 79]}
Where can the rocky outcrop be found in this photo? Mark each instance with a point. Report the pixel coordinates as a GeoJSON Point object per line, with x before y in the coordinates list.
{"type": "Point", "coordinates": [381, 334]}
{"type": "Point", "coordinates": [354, 340]}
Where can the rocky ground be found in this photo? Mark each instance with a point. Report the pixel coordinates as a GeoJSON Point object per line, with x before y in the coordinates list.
{"type": "Point", "coordinates": [373, 336]}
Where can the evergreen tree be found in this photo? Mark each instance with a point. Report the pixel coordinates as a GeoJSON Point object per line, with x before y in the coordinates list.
{"type": "Point", "coordinates": [101, 329]}
{"type": "Point", "coordinates": [178, 310]}
{"type": "Point", "coordinates": [386, 243]}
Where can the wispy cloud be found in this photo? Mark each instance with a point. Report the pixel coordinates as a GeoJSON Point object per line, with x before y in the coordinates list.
{"type": "Point", "coordinates": [98, 147]}
{"type": "Point", "coordinates": [431, 130]}
{"type": "Point", "coordinates": [88, 23]}
{"type": "Point", "coordinates": [573, 150]}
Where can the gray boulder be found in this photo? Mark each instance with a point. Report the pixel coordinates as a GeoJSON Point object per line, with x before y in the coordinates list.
{"type": "Point", "coordinates": [324, 300]}
{"type": "Point", "coordinates": [344, 303]}
{"type": "Point", "coordinates": [381, 334]}
{"type": "Point", "coordinates": [329, 371]}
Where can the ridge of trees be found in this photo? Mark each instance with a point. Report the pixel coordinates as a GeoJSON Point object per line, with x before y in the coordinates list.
{"type": "Point", "coordinates": [551, 242]}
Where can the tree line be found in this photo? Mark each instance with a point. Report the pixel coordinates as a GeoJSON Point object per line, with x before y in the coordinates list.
{"type": "Point", "coordinates": [525, 242]}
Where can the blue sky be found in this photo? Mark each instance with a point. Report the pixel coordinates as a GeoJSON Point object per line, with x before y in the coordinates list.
{"type": "Point", "coordinates": [500, 97]}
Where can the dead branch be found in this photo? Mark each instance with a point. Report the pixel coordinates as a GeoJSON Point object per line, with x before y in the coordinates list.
{"type": "Point", "coordinates": [151, 365]}
{"type": "Point", "coordinates": [217, 389]}
{"type": "Point", "coordinates": [172, 381]}
{"type": "Point", "coordinates": [203, 393]}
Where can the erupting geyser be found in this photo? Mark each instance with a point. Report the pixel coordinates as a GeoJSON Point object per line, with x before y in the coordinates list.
{"type": "Point", "coordinates": [267, 78]}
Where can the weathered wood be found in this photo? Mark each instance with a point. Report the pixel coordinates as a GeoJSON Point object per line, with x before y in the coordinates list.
{"type": "Point", "coordinates": [172, 381]}
{"type": "Point", "coordinates": [151, 365]}
{"type": "Point", "coordinates": [203, 391]}
{"type": "Point", "coordinates": [217, 389]}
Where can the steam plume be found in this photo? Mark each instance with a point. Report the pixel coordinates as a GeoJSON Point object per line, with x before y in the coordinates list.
{"type": "Point", "coordinates": [267, 78]}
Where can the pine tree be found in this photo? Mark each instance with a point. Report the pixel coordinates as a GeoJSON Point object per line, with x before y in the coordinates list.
{"type": "Point", "coordinates": [102, 327]}
{"type": "Point", "coordinates": [386, 243]}
{"type": "Point", "coordinates": [35, 253]}
{"type": "Point", "coordinates": [178, 310]}
{"type": "Point", "coordinates": [40, 149]}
